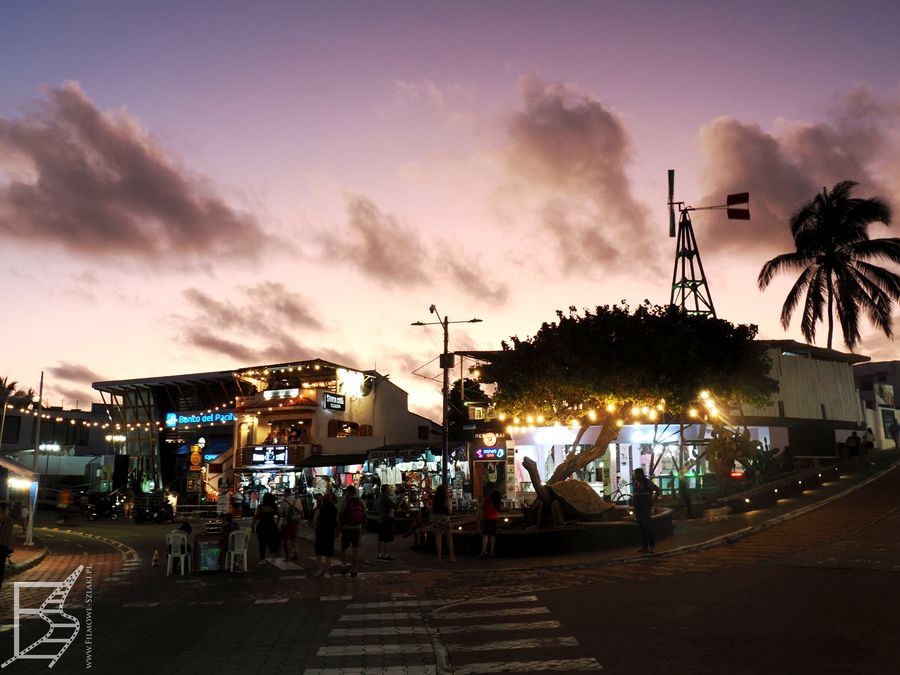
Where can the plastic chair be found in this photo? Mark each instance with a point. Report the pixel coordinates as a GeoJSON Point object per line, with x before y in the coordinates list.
{"type": "Point", "coordinates": [177, 547]}
{"type": "Point", "coordinates": [238, 542]}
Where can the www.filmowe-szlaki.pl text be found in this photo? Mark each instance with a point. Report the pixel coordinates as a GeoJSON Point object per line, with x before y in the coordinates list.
{"type": "Point", "coordinates": [88, 616]}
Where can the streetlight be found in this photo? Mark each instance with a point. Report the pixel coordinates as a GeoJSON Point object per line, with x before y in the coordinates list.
{"type": "Point", "coordinates": [36, 484]}
{"type": "Point", "coordinates": [446, 365]}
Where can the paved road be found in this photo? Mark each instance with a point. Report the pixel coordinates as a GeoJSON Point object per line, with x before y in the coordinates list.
{"type": "Point", "coordinates": [816, 594]}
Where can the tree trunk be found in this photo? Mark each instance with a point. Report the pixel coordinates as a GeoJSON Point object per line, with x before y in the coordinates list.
{"type": "Point", "coordinates": [608, 433]}
{"type": "Point", "coordinates": [830, 310]}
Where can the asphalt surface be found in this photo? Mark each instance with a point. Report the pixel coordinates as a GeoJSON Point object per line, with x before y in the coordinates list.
{"type": "Point", "coordinates": [809, 594]}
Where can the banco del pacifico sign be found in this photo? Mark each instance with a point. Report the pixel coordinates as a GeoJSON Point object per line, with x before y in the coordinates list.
{"type": "Point", "coordinates": [176, 420]}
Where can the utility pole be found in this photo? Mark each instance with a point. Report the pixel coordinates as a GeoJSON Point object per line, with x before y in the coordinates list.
{"type": "Point", "coordinates": [33, 489]}
{"type": "Point", "coordinates": [446, 362]}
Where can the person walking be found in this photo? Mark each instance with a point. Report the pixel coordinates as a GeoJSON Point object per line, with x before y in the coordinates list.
{"type": "Point", "coordinates": [440, 521]}
{"type": "Point", "coordinates": [386, 508]}
{"type": "Point", "coordinates": [265, 527]}
{"type": "Point", "coordinates": [868, 445]}
{"type": "Point", "coordinates": [352, 518]}
{"type": "Point", "coordinates": [488, 515]}
{"type": "Point", "coordinates": [6, 533]}
{"type": "Point", "coordinates": [290, 514]}
{"type": "Point", "coordinates": [325, 524]}
{"type": "Point", "coordinates": [23, 516]}
{"type": "Point", "coordinates": [643, 493]}
{"type": "Point", "coordinates": [853, 444]}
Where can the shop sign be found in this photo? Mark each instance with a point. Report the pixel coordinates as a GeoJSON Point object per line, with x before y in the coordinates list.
{"type": "Point", "coordinates": [269, 455]}
{"type": "Point", "coordinates": [335, 401]}
{"type": "Point", "coordinates": [408, 455]}
{"type": "Point", "coordinates": [490, 453]}
{"type": "Point", "coordinates": [269, 394]}
{"type": "Point", "coordinates": [174, 420]}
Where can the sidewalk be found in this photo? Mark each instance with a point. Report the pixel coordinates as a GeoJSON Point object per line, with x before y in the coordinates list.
{"type": "Point", "coordinates": [24, 558]}
{"type": "Point", "coordinates": [688, 535]}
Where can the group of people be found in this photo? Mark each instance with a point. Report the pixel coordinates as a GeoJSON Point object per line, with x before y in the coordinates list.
{"type": "Point", "coordinates": [862, 447]}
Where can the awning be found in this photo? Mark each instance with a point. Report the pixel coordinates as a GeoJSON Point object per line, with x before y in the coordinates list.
{"type": "Point", "coordinates": [17, 470]}
{"type": "Point", "coordinates": [332, 460]}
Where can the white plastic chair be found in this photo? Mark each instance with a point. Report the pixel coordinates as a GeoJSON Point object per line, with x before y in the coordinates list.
{"type": "Point", "coordinates": [177, 547]}
{"type": "Point", "coordinates": [238, 542]}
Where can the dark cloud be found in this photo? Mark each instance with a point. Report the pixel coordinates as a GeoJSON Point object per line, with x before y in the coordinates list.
{"type": "Point", "coordinates": [71, 372]}
{"type": "Point", "coordinates": [96, 184]}
{"type": "Point", "coordinates": [268, 317]}
{"type": "Point", "coordinates": [574, 149]}
{"type": "Point", "coordinates": [379, 247]}
{"type": "Point", "coordinates": [788, 167]}
{"type": "Point", "coordinates": [76, 398]}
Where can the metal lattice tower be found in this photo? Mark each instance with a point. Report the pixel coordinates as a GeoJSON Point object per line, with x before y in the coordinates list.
{"type": "Point", "coordinates": [690, 291]}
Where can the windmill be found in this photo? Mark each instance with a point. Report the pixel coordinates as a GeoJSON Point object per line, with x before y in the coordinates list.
{"type": "Point", "coordinates": [689, 288]}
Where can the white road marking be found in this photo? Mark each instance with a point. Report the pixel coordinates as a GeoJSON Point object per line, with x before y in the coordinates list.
{"type": "Point", "coordinates": [292, 577]}
{"type": "Point", "coordinates": [332, 598]}
{"type": "Point", "coordinates": [515, 611]}
{"type": "Point", "coordinates": [380, 617]}
{"type": "Point", "coordinates": [498, 627]}
{"type": "Point", "coordinates": [285, 564]}
{"type": "Point", "coordinates": [563, 665]}
{"type": "Point", "coordinates": [378, 631]}
{"type": "Point", "coordinates": [524, 643]}
{"type": "Point", "coordinates": [140, 604]}
{"type": "Point", "coordinates": [270, 601]}
{"type": "Point", "coordinates": [395, 603]}
{"type": "Point", "coordinates": [207, 602]}
{"type": "Point", "coordinates": [377, 649]}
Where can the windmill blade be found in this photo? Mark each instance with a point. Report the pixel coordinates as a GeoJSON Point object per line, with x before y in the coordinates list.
{"type": "Point", "coordinates": [671, 206]}
{"type": "Point", "coordinates": [738, 206]}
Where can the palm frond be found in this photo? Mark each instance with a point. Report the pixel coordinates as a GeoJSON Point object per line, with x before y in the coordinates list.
{"type": "Point", "coordinates": [813, 308]}
{"type": "Point", "coordinates": [793, 297]}
{"type": "Point", "coordinates": [876, 249]}
{"type": "Point", "coordinates": [785, 261]}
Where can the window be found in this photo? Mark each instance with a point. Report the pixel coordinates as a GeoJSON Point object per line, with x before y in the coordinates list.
{"type": "Point", "coordinates": [342, 429]}
{"type": "Point", "coordinates": [423, 433]}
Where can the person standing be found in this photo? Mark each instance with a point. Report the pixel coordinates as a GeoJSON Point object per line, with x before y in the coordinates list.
{"type": "Point", "coordinates": [853, 444]}
{"type": "Point", "coordinates": [644, 492]}
{"type": "Point", "coordinates": [440, 521]}
{"type": "Point", "coordinates": [386, 509]}
{"type": "Point", "coordinates": [290, 524]}
{"type": "Point", "coordinates": [325, 524]}
{"type": "Point", "coordinates": [895, 433]}
{"type": "Point", "coordinates": [23, 516]}
{"type": "Point", "coordinates": [352, 517]}
{"type": "Point", "coordinates": [868, 444]}
{"type": "Point", "coordinates": [6, 533]}
{"type": "Point", "coordinates": [488, 515]}
{"type": "Point", "coordinates": [265, 527]}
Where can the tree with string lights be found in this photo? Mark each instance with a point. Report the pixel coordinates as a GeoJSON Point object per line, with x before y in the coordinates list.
{"type": "Point", "coordinates": [614, 366]}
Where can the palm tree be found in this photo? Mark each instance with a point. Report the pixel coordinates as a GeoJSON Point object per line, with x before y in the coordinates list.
{"type": "Point", "coordinates": [833, 256]}
{"type": "Point", "coordinates": [7, 389]}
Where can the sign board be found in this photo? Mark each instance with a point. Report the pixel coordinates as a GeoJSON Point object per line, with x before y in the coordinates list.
{"type": "Point", "coordinates": [177, 420]}
{"type": "Point", "coordinates": [268, 455]}
{"type": "Point", "coordinates": [884, 394]}
{"type": "Point", "coordinates": [209, 555]}
{"type": "Point", "coordinates": [491, 454]}
{"type": "Point", "coordinates": [334, 401]}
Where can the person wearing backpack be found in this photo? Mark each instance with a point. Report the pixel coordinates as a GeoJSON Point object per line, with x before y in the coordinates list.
{"type": "Point", "coordinates": [290, 524]}
{"type": "Point", "coordinates": [352, 517]}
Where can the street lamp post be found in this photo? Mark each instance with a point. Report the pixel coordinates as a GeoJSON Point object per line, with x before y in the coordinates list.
{"type": "Point", "coordinates": [34, 487]}
{"type": "Point", "coordinates": [446, 365]}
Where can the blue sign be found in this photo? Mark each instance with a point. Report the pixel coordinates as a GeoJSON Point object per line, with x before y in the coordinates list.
{"type": "Point", "coordinates": [175, 420]}
{"type": "Point", "coordinates": [490, 453]}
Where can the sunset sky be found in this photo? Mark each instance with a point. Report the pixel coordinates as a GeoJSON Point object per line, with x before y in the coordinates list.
{"type": "Point", "coordinates": [189, 187]}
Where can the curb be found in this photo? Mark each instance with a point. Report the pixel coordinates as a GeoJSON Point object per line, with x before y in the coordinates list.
{"type": "Point", "coordinates": [127, 552]}
{"type": "Point", "coordinates": [18, 568]}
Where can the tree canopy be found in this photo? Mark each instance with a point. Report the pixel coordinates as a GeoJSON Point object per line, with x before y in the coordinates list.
{"type": "Point", "coordinates": [605, 361]}
{"type": "Point", "coordinates": [834, 258]}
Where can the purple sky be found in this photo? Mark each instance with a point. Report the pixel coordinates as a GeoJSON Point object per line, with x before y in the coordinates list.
{"type": "Point", "coordinates": [198, 186]}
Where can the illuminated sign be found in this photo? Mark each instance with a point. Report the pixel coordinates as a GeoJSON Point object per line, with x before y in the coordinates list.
{"type": "Point", "coordinates": [269, 394]}
{"type": "Point", "coordinates": [175, 420]}
{"type": "Point", "coordinates": [490, 453]}
{"type": "Point", "coordinates": [269, 455]}
{"type": "Point", "coordinates": [334, 401]}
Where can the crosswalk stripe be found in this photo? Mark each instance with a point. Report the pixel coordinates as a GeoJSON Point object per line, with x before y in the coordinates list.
{"type": "Point", "coordinates": [501, 601]}
{"type": "Point", "coordinates": [514, 611]}
{"type": "Point", "coordinates": [332, 598]}
{"type": "Point", "coordinates": [395, 603]}
{"type": "Point", "coordinates": [378, 630]}
{"type": "Point", "coordinates": [285, 564]}
{"type": "Point", "coordinates": [380, 617]}
{"type": "Point", "coordinates": [377, 650]}
{"type": "Point", "coordinates": [524, 643]}
{"type": "Point", "coordinates": [270, 601]}
{"type": "Point", "coordinates": [498, 627]}
{"type": "Point", "coordinates": [563, 665]}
